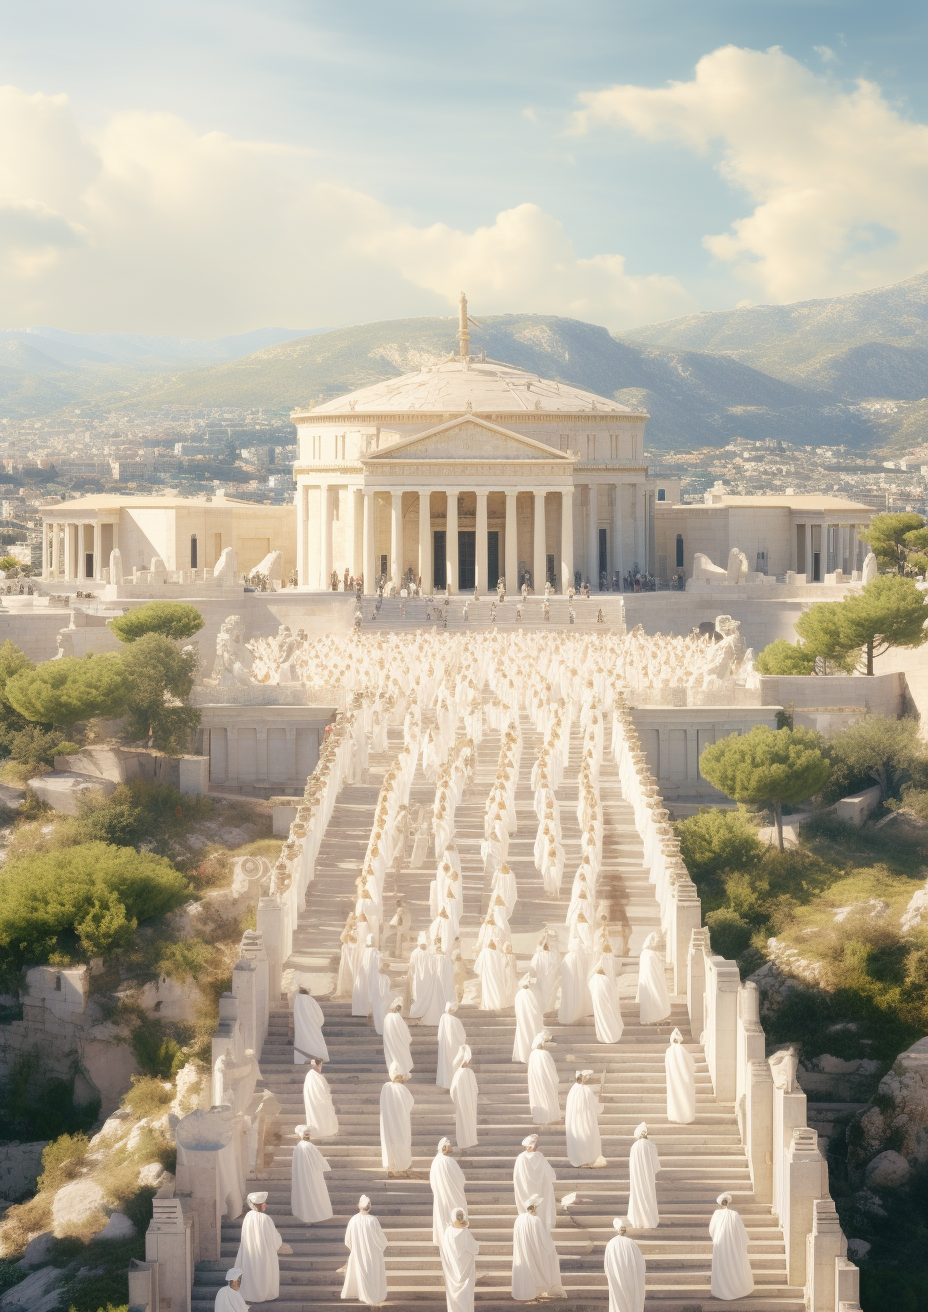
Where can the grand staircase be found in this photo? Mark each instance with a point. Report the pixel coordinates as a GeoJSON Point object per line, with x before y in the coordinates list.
{"type": "Point", "coordinates": [699, 1161]}
{"type": "Point", "coordinates": [418, 613]}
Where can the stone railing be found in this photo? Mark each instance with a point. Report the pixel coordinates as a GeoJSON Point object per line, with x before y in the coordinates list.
{"type": "Point", "coordinates": [221, 1144]}
{"type": "Point", "coordinates": [787, 1168]}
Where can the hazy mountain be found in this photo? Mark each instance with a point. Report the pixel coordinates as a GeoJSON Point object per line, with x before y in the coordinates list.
{"type": "Point", "coordinates": [158, 353]}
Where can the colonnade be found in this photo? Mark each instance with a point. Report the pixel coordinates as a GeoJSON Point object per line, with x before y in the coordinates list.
{"type": "Point", "coordinates": [837, 546]}
{"type": "Point", "coordinates": [79, 539]}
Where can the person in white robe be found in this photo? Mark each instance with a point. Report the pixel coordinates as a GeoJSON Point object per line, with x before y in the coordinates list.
{"type": "Point", "coordinates": [418, 971]}
{"type": "Point", "coordinates": [459, 1251]}
{"type": "Point", "coordinates": [731, 1266]}
{"type": "Point", "coordinates": [533, 1176]}
{"type": "Point", "coordinates": [396, 1104]}
{"type": "Point", "coordinates": [576, 999]}
{"type": "Point", "coordinates": [625, 1271]}
{"type": "Point", "coordinates": [491, 969]}
{"type": "Point", "coordinates": [309, 1197]}
{"type": "Point", "coordinates": [504, 884]}
{"type": "Point", "coordinates": [536, 1269]}
{"type": "Point", "coordinates": [381, 990]}
{"type": "Point", "coordinates": [436, 991]}
{"type": "Point", "coordinates": [397, 1041]}
{"type": "Point", "coordinates": [581, 1123]}
{"type": "Point", "coordinates": [643, 1166]}
{"type": "Point", "coordinates": [529, 1020]}
{"type": "Point", "coordinates": [229, 1298]}
{"type": "Point", "coordinates": [652, 996]}
{"type": "Point", "coordinates": [258, 1251]}
{"type": "Point", "coordinates": [361, 991]}
{"type": "Point", "coordinates": [546, 968]}
{"type": "Point", "coordinates": [308, 1021]}
{"type": "Point", "coordinates": [543, 1084]}
{"type": "Point", "coordinates": [680, 1069]}
{"type": "Point", "coordinates": [317, 1103]}
{"type": "Point", "coordinates": [447, 1181]}
{"type": "Point", "coordinates": [451, 1038]}
{"type": "Point", "coordinates": [464, 1097]}
{"type": "Point", "coordinates": [366, 1273]}
{"type": "Point", "coordinates": [607, 1011]}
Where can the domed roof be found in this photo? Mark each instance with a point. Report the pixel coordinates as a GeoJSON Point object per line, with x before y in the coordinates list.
{"type": "Point", "coordinates": [457, 385]}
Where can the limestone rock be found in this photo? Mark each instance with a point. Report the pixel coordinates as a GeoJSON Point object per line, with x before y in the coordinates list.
{"type": "Point", "coordinates": [916, 911]}
{"type": "Point", "coordinates": [152, 1175]}
{"type": "Point", "coordinates": [857, 1249]}
{"type": "Point", "coordinates": [117, 1227]}
{"type": "Point", "coordinates": [79, 1209]}
{"type": "Point", "coordinates": [874, 908]}
{"type": "Point", "coordinates": [37, 1293]}
{"type": "Point", "coordinates": [889, 1170]}
{"type": "Point", "coordinates": [37, 1251]}
{"type": "Point", "coordinates": [899, 1111]}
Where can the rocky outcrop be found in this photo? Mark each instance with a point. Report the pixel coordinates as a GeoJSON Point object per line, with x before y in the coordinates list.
{"type": "Point", "coordinates": [895, 1124]}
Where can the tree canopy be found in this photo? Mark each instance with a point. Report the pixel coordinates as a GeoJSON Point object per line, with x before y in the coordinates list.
{"type": "Point", "coordinates": [767, 767]}
{"type": "Point", "coordinates": [889, 612]}
{"type": "Point", "coordinates": [886, 536]}
{"type": "Point", "coordinates": [62, 692]}
{"type": "Point", "coordinates": [782, 657]}
{"type": "Point", "coordinates": [160, 678]}
{"type": "Point", "coordinates": [877, 749]}
{"type": "Point", "coordinates": [172, 619]}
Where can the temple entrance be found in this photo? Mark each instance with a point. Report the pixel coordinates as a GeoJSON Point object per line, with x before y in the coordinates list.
{"type": "Point", "coordinates": [467, 559]}
{"type": "Point", "coordinates": [492, 559]}
{"type": "Point", "coordinates": [439, 560]}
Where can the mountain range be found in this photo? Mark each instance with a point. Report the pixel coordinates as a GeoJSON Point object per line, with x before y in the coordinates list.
{"type": "Point", "coordinates": [798, 372]}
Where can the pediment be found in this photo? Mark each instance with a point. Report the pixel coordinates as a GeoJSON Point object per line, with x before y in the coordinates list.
{"type": "Point", "coordinates": [467, 438]}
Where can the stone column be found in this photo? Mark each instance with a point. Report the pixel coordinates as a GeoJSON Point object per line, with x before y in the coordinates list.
{"type": "Point", "coordinates": [245, 991]}
{"type": "Point", "coordinates": [369, 567]}
{"type": "Point", "coordinates": [167, 1242]}
{"type": "Point", "coordinates": [261, 754]}
{"type": "Point", "coordinates": [511, 562]}
{"type": "Point", "coordinates": [425, 538]}
{"type": "Point", "coordinates": [98, 562]}
{"type": "Point", "coordinates": [56, 549]}
{"type": "Point", "coordinates": [592, 545]}
{"type": "Point", "coordinates": [231, 754]}
{"type": "Point", "coordinates": [539, 544]}
{"type": "Point", "coordinates": [356, 563]}
{"type": "Point", "coordinates": [451, 541]}
{"type": "Point", "coordinates": [481, 561]}
{"type": "Point", "coordinates": [758, 1128]}
{"type": "Point", "coordinates": [805, 1179]}
{"type": "Point", "coordinates": [201, 1137]}
{"type": "Point", "coordinates": [291, 753]}
{"type": "Point", "coordinates": [640, 547]}
{"type": "Point", "coordinates": [252, 949]}
{"type": "Point", "coordinates": [696, 980]}
{"type": "Point", "coordinates": [396, 537]}
{"type": "Point", "coordinates": [852, 547]}
{"type": "Point", "coordinates": [325, 530]}
{"type": "Point", "coordinates": [687, 916]}
{"type": "Point", "coordinates": [270, 927]}
{"type": "Point", "coordinates": [69, 570]}
{"type": "Point", "coordinates": [722, 983]}
{"type": "Point", "coordinates": [847, 1286]}
{"type": "Point", "coordinates": [789, 1113]}
{"type": "Point", "coordinates": [808, 552]}
{"type": "Point", "coordinates": [567, 538]}
{"type": "Point", "coordinates": [617, 562]}
{"type": "Point", "coordinates": [826, 1246]}
{"type": "Point", "coordinates": [81, 562]}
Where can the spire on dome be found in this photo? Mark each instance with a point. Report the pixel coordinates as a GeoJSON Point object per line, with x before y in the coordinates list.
{"type": "Point", "coordinates": [463, 331]}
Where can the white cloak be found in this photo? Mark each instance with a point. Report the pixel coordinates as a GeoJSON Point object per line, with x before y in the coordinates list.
{"type": "Point", "coordinates": [317, 1104]}
{"type": "Point", "coordinates": [397, 1042]}
{"type": "Point", "coordinates": [643, 1166]}
{"type": "Point", "coordinates": [447, 1181]}
{"type": "Point", "coordinates": [309, 1197]}
{"type": "Point", "coordinates": [361, 990]}
{"type": "Point", "coordinates": [464, 1096]}
{"type": "Point", "coordinates": [625, 1272]}
{"type": "Point", "coordinates": [229, 1300]}
{"type": "Point", "coordinates": [435, 991]}
{"type": "Point", "coordinates": [576, 1000]}
{"type": "Point", "coordinates": [534, 1174]}
{"type": "Point", "coordinates": [581, 1121]}
{"type": "Point", "coordinates": [451, 1038]}
{"type": "Point", "coordinates": [543, 1087]}
{"type": "Point", "coordinates": [396, 1104]}
{"type": "Point", "coordinates": [546, 968]}
{"type": "Point", "coordinates": [418, 971]}
{"type": "Point", "coordinates": [459, 1250]}
{"type": "Point", "coordinates": [257, 1258]}
{"type": "Point", "coordinates": [366, 1276]}
{"type": "Point", "coordinates": [381, 994]}
{"type": "Point", "coordinates": [731, 1266]}
{"type": "Point", "coordinates": [680, 1069]}
{"type": "Point", "coordinates": [607, 1011]}
{"type": "Point", "coordinates": [529, 1022]}
{"type": "Point", "coordinates": [493, 985]}
{"type": "Point", "coordinates": [308, 1021]}
{"type": "Point", "coordinates": [652, 995]}
{"type": "Point", "coordinates": [535, 1265]}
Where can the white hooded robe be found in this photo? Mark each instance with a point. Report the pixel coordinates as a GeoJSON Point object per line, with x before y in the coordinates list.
{"type": "Point", "coordinates": [308, 1021]}
{"type": "Point", "coordinates": [447, 1181]}
{"type": "Point", "coordinates": [317, 1106]}
{"type": "Point", "coordinates": [643, 1166]}
{"type": "Point", "coordinates": [731, 1266]}
{"type": "Point", "coordinates": [534, 1174]}
{"type": "Point", "coordinates": [451, 1038]}
{"type": "Point", "coordinates": [459, 1250]}
{"type": "Point", "coordinates": [535, 1265]}
{"type": "Point", "coordinates": [396, 1104]}
{"type": "Point", "coordinates": [257, 1258]}
{"type": "Point", "coordinates": [625, 1272]}
{"type": "Point", "coordinates": [543, 1087]}
{"type": "Point", "coordinates": [680, 1069]}
{"type": "Point", "coordinates": [581, 1121]}
{"type": "Point", "coordinates": [652, 995]}
{"type": "Point", "coordinates": [607, 1012]}
{"type": "Point", "coordinates": [229, 1300]}
{"type": "Point", "coordinates": [397, 1042]}
{"type": "Point", "coordinates": [366, 1276]}
{"type": "Point", "coordinates": [309, 1197]}
{"type": "Point", "coordinates": [529, 1022]}
{"type": "Point", "coordinates": [464, 1096]}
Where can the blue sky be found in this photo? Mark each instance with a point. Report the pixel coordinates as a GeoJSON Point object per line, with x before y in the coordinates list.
{"type": "Point", "coordinates": [367, 152]}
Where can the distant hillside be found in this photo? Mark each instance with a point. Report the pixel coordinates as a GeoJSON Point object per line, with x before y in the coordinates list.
{"type": "Point", "coordinates": [694, 398]}
{"type": "Point", "coordinates": [871, 344]}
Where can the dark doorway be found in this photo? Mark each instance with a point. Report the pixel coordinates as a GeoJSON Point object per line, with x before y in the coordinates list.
{"type": "Point", "coordinates": [493, 559]}
{"type": "Point", "coordinates": [383, 570]}
{"type": "Point", "coordinates": [88, 564]}
{"type": "Point", "coordinates": [549, 567]}
{"type": "Point", "coordinates": [439, 560]}
{"type": "Point", "coordinates": [816, 567]}
{"type": "Point", "coordinates": [679, 551]}
{"type": "Point", "coordinates": [467, 559]}
{"type": "Point", "coordinates": [603, 557]}
{"type": "Point", "coordinates": [193, 551]}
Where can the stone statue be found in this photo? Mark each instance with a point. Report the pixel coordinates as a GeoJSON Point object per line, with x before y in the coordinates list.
{"type": "Point", "coordinates": [737, 567]}
{"type": "Point", "coordinates": [869, 571]}
{"type": "Point", "coordinates": [116, 575]}
{"type": "Point", "coordinates": [271, 568]}
{"type": "Point", "coordinates": [226, 567]}
{"type": "Point", "coordinates": [783, 1067]}
{"type": "Point", "coordinates": [705, 572]}
{"type": "Point", "coordinates": [233, 659]}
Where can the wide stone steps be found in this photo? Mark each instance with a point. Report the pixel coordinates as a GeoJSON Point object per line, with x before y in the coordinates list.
{"type": "Point", "coordinates": [699, 1160]}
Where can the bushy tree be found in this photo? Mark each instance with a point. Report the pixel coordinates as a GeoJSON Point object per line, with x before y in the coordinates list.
{"type": "Point", "coordinates": [160, 679]}
{"type": "Point", "coordinates": [728, 933]}
{"type": "Point", "coordinates": [889, 612]}
{"type": "Point", "coordinates": [878, 749]}
{"type": "Point", "coordinates": [172, 619]}
{"type": "Point", "coordinates": [715, 841]}
{"type": "Point", "coordinates": [782, 657]}
{"type": "Point", "coordinates": [886, 536]}
{"type": "Point", "coordinates": [767, 767]}
{"type": "Point", "coordinates": [62, 692]}
{"type": "Point", "coordinates": [823, 635]}
{"type": "Point", "coordinates": [87, 900]}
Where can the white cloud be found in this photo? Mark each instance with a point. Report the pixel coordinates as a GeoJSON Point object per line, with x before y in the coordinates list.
{"type": "Point", "coordinates": [148, 226]}
{"type": "Point", "coordinates": [839, 179]}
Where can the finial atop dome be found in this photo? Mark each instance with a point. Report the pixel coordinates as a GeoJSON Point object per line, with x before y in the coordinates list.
{"type": "Point", "coordinates": [463, 331]}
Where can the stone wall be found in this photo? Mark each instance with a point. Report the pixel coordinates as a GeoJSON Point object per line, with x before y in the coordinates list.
{"type": "Point", "coordinates": [20, 1167]}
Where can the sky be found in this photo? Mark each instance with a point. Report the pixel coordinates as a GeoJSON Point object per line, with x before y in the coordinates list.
{"type": "Point", "coordinates": [203, 168]}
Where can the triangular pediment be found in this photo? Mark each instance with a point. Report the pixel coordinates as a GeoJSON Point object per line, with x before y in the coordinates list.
{"type": "Point", "coordinates": [467, 438]}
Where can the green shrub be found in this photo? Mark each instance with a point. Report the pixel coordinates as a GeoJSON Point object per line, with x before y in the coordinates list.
{"type": "Point", "coordinates": [62, 692]}
{"type": "Point", "coordinates": [879, 749]}
{"type": "Point", "coordinates": [728, 933]}
{"type": "Point", "coordinates": [62, 1160]}
{"type": "Point", "coordinates": [88, 899]}
{"type": "Point", "coordinates": [171, 619]}
{"type": "Point", "coordinates": [147, 1096]}
{"type": "Point", "coordinates": [782, 657]}
{"type": "Point", "coordinates": [138, 812]}
{"type": "Point", "coordinates": [158, 1053]}
{"type": "Point", "coordinates": [33, 1106]}
{"type": "Point", "coordinates": [714, 841]}
{"type": "Point", "coordinates": [160, 678]}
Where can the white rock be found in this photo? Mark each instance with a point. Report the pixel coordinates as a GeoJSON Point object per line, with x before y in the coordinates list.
{"type": "Point", "coordinates": [37, 1293]}
{"type": "Point", "coordinates": [889, 1170]}
{"type": "Point", "coordinates": [117, 1227]}
{"type": "Point", "coordinates": [151, 1175]}
{"type": "Point", "coordinates": [138, 1131]}
{"type": "Point", "coordinates": [858, 1248]}
{"type": "Point", "coordinates": [916, 911]}
{"type": "Point", "coordinates": [114, 1127]}
{"type": "Point", "coordinates": [873, 907]}
{"type": "Point", "coordinates": [78, 1208]}
{"type": "Point", "coordinates": [835, 1065]}
{"type": "Point", "coordinates": [233, 837]}
{"type": "Point", "coordinates": [37, 1250]}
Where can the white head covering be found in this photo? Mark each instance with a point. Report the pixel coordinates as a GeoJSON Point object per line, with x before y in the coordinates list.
{"type": "Point", "coordinates": [364, 1203]}
{"type": "Point", "coordinates": [397, 1005]}
{"type": "Point", "coordinates": [530, 1142]}
{"type": "Point", "coordinates": [463, 1057]}
{"type": "Point", "coordinates": [676, 1037]}
{"type": "Point", "coordinates": [534, 1201]}
{"type": "Point", "coordinates": [301, 1131]}
{"type": "Point", "coordinates": [542, 1038]}
{"type": "Point", "coordinates": [394, 1070]}
{"type": "Point", "coordinates": [443, 1144]}
{"type": "Point", "coordinates": [235, 1273]}
{"type": "Point", "coordinates": [459, 1214]}
{"type": "Point", "coordinates": [255, 1200]}
{"type": "Point", "coordinates": [370, 940]}
{"type": "Point", "coordinates": [620, 1223]}
{"type": "Point", "coordinates": [451, 1007]}
{"type": "Point", "coordinates": [423, 941]}
{"type": "Point", "coordinates": [651, 941]}
{"type": "Point", "coordinates": [723, 1200]}
{"type": "Point", "coordinates": [641, 1130]}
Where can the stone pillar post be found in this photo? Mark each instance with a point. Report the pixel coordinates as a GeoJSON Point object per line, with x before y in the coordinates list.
{"type": "Point", "coordinates": [752, 1043]}
{"type": "Point", "coordinates": [511, 562]}
{"type": "Point", "coordinates": [425, 538]}
{"type": "Point", "coordinates": [805, 1179]}
{"type": "Point", "coordinates": [852, 548]}
{"type": "Point", "coordinates": [687, 916]}
{"type": "Point", "coordinates": [722, 983]}
{"type": "Point", "coordinates": [291, 754]}
{"type": "Point", "coordinates": [639, 527]}
{"type": "Point", "coordinates": [81, 561]}
{"type": "Point", "coordinates": [758, 1128]}
{"type": "Point", "coordinates": [98, 562]}
{"type": "Point", "coordinates": [618, 564]}
{"type": "Point", "coordinates": [808, 552]}
{"type": "Point", "coordinates": [825, 1246]}
{"type": "Point", "coordinates": [482, 565]}
{"type": "Point", "coordinates": [252, 949]}
{"type": "Point", "coordinates": [396, 537]}
{"type": "Point", "coordinates": [370, 586]}
{"type": "Point", "coordinates": [696, 980]}
{"type": "Point", "coordinates": [592, 546]}
{"type": "Point", "coordinates": [539, 545]}
{"type": "Point", "coordinates": [201, 1138]}
{"type": "Point", "coordinates": [567, 538]}
{"type": "Point", "coordinates": [789, 1113]}
{"type": "Point", "coordinates": [143, 1285]}
{"type": "Point", "coordinates": [847, 1286]}
{"type": "Point", "coordinates": [261, 754]}
{"type": "Point", "coordinates": [451, 541]}
{"type": "Point", "coordinates": [356, 563]}
{"type": "Point", "coordinates": [245, 992]}
{"type": "Point", "coordinates": [56, 549]}
{"type": "Point", "coordinates": [325, 529]}
{"type": "Point", "coordinates": [69, 570]}
{"type": "Point", "coordinates": [168, 1242]}
{"type": "Point", "coordinates": [270, 927]}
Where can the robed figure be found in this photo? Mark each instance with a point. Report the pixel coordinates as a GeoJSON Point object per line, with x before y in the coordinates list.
{"type": "Point", "coordinates": [396, 1104]}
{"type": "Point", "coordinates": [543, 1094]}
{"type": "Point", "coordinates": [529, 1020]}
{"type": "Point", "coordinates": [533, 1176]}
{"type": "Point", "coordinates": [536, 1270]}
{"type": "Point", "coordinates": [625, 1271]}
{"type": "Point", "coordinates": [257, 1258]}
{"type": "Point", "coordinates": [731, 1266]}
{"type": "Point", "coordinates": [643, 1166]}
{"type": "Point", "coordinates": [309, 1196]}
{"type": "Point", "coordinates": [653, 998]}
{"type": "Point", "coordinates": [308, 1021]}
{"type": "Point", "coordinates": [366, 1273]}
{"type": "Point", "coordinates": [451, 1039]}
{"type": "Point", "coordinates": [680, 1069]}
{"type": "Point", "coordinates": [447, 1181]}
{"type": "Point", "coordinates": [229, 1298]}
{"type": "Point", "coordinates": [459, 1251]}
{"type": "Point", "coordinates": [464, 1097]}
{"type": "Point", "coordinates": [397, 1041]}
{"type": "Point", "coordinates": [607, 1013]}
{"type": "Point", "coordinates": [581, 1121]}
{"type": "Point", "coordinates": [318, 1109]}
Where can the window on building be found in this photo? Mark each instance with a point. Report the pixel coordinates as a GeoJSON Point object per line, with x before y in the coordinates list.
{"type": "Point", "coordinates": [662, 494]}
{"type": "Point", "coordinates": [193, 551]}
{"type": "Point", "coordinates": [679, 551]}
